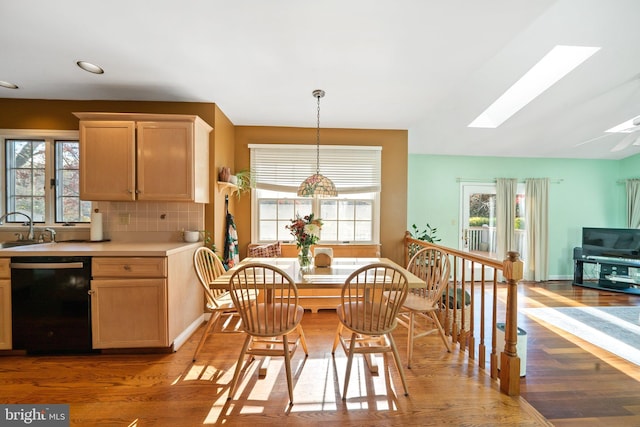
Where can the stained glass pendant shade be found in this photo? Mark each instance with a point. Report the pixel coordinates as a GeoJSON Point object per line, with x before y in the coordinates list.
{"type": "Point", "coordinates": [317, 185]}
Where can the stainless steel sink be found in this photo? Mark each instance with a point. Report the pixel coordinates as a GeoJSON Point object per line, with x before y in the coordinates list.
{"type": "Point", "coordinates": [4, 245]}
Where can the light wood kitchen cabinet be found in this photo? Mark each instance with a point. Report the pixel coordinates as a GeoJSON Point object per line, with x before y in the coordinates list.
{"type": "Point", "coordinates": [129, 302]}
{"type": "Point", "coordinates": [145, 301]}
{"type": "Point", "coordinates": [160, 157]}
{"type": "Point", "coordinates": [5, 304]}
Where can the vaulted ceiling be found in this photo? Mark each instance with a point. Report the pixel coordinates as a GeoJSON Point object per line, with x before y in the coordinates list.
{"type": "Point", "coordinates": [429, 66]}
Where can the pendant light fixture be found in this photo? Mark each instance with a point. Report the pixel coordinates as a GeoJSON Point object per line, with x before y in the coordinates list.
{"type": "Point", "coordinates": [317, 185]}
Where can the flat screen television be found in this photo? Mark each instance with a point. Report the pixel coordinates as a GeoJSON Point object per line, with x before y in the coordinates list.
{"type": "Point", "coordinates": [611, 242]}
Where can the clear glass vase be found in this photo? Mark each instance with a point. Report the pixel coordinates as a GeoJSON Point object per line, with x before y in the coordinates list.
{"type": "Point", "coordinates": [305, 259]}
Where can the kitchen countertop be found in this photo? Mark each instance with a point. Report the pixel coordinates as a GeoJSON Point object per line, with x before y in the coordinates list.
{"type": "Point", "coordinates": [99, 249]}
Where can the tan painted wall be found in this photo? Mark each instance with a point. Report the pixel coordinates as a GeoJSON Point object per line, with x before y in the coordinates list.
{"type": "Point", "coordinates": [56, 114]}
{"type": "Point", "coordinates": [393, 202]}
{"type": "Point", "coordinates": [223, 155]}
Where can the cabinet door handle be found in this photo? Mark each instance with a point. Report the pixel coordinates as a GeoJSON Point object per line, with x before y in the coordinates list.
{"type": "Point", "coordinates": [90, 292]}
{"type": "Point", "coordinates": [127, 267]}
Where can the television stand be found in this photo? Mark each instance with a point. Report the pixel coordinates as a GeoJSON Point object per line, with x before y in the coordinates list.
{"type": "Point", "coordinates": [614, 274]}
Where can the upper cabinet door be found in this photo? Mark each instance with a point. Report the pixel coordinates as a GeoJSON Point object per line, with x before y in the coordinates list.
{"type": "Point", "coordinates": [107, 160]}
{"type": "Point", "coordinates": [136, 156]}
{"type": "Point", "coordinates": [165, 161]}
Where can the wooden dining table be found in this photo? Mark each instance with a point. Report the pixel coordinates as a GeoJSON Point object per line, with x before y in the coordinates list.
{"type": "Point", "coordinates": [318, 277]}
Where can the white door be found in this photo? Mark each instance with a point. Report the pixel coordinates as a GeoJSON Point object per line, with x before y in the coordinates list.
{"type": "Point", "coordinates": [478, 222]}
{"type": "Point", "coordinates": [477, 218]}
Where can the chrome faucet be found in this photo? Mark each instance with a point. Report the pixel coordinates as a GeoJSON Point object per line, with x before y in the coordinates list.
{"type": "Point", "coordinates": [52, 232]}
{"type": "Point", "coordinates": [30, 235]}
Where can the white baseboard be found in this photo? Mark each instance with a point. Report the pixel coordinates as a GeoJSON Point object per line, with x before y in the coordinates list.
{"type": "Point", "coordinates": [184, 335]}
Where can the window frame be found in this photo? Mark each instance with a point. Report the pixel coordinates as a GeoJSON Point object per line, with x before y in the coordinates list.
{"type": "Point", "coordinates": [345, 176]}
{"type": "Point", "coordinates": [50, 137]}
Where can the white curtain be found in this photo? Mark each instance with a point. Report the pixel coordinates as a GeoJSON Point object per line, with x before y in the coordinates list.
{"type": "Point", "coordinates": [537, 226]}
{"type": "Point", "coordinates": [506, 189]}
{"type": "Point", "coordinates": [633, 203]}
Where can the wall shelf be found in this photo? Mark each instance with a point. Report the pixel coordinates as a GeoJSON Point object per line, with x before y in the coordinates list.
{"type": "Point", "coordinates": [227, 186]}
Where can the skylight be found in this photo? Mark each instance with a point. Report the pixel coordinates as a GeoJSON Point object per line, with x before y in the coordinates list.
{"type": "Point", "coordinates": [556, 64]}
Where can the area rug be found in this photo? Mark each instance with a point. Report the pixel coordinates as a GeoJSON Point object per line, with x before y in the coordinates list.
{"type": "Point", "coordinates": [615, 329]}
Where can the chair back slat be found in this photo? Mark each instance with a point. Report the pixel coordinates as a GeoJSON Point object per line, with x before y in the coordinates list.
{"type": "Point", "coordinates": [208, 268]}
{"type": "Point", "coordinates": [371, 298]}
{"type": "Point", "coordinates": [432, 266]}
{"type": "Point", "coordinates": [274, 316]}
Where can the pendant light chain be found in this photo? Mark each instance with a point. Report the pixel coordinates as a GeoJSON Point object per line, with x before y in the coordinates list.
{"type": "Point", "coordinates": [317, 185]}
{"type": "Point", "coordinates": [318, 139]}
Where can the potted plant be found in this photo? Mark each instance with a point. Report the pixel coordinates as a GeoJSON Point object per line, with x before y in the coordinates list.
{"type": "Point", "coordinates": [427, 235]}
{"type": "Point", "coordinates": [244, 181]}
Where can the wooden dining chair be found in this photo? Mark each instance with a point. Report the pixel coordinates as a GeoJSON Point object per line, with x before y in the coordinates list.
{"type": "Point", "coordinates": [218, 301]}
{"type": "Point", "coordinates": [272, 326]}
{"type": "Point", "coordinates": [419, 313]}
{"type": "Point", "coordinates": [367, 318]}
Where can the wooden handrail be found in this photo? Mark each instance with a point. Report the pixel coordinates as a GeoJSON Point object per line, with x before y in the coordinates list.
{"type": "Point", "coordinates": [465, 319]}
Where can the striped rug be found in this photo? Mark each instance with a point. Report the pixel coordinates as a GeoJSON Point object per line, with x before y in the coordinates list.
{"type": "Point", "coordinates": [615, 329]}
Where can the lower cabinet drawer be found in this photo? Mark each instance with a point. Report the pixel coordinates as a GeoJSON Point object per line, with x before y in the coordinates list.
{"type": "Point", "coordinates": [129, 267]}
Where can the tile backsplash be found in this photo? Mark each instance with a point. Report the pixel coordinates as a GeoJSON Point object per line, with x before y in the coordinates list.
{"type": "Point", "coordinates": [169, 218]}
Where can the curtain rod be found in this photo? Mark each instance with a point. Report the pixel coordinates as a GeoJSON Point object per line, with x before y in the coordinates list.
{"type": "Point", "coordinates": [459, 179]}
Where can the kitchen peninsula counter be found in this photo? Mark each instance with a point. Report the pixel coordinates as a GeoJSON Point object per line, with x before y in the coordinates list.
{"type": "Point", "coordinates": [100, 249]}
{"type": "Point", "coordinates": [143, 295]}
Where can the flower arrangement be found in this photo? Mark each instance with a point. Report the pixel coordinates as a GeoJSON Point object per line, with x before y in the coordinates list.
{"type": "Point", "coordinates": [306, 230]}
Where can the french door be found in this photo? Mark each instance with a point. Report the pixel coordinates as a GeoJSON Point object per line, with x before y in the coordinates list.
{"type": "Point", "coordinates": [478, 221]}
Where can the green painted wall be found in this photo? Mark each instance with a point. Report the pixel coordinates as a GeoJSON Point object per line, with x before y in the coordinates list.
{"type": "Point", "coordinates": [583, 193]}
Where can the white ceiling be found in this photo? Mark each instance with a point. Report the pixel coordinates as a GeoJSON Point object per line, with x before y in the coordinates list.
{"type": "Point", "coordinates": [429, 66]}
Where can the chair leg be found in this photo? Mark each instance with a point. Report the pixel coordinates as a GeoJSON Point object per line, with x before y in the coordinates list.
{"type": "Point", "coordinates": [396, 357]}
{"type": "Point", "coordinates": [236, 374]}
{"type": "Point", "coordinates": [336, 340]}
{"type": "Point", "coordinates": [434, 317]}
{"type": "Point", "coordinates": [411, 328]}
{"type": "Point", "coordinates": [287, 367]}
{"type": "Point", "coordinates": [303, 340]}
{"type": "Point", "coordinates": [212, 321]}
{"type": "Point", "coordinates": [352, 346]}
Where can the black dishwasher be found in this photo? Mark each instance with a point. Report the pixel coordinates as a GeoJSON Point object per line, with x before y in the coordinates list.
{"type": "Point", "coordinates": [50, 304]}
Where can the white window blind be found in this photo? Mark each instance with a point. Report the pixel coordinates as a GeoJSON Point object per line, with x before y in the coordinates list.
{"type": "Point", "coordinates": [281, 167]}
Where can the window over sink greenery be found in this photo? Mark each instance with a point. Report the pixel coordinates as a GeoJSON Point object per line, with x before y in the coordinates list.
{"type": "Point", "coordinates": [41, 177]}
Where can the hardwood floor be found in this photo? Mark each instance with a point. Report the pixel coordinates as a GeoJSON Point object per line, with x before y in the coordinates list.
{"type": "Point", "coordinates": [571, 382]}
{"type": "Point", "coordinates": [566, 383]}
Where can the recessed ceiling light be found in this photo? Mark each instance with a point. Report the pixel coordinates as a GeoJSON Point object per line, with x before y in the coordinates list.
{"type": "Point", "coordinates": [88, 66]}
{"type": "Point", "coordinates": [556, 64]}
{"type": "Point", "coordinates": [8, 85]}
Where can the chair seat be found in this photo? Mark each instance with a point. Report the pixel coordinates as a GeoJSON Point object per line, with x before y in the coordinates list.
{"type": "Point", "coordinates": [224, 302]}
{"type": "Point", "coordinates": [417, 303]}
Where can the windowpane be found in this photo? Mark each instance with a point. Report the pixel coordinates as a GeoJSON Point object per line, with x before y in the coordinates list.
{"type": "Point", "coordinates": [268, 209]}
{"type": "Point", "coordinates": [25, 178]}
{"type": "Point", "coordinates": [69, 207]}
{"type": "Point", "coordinates": [329, 230]}
{"type": "Point", "coordinates": [328, 210]}
{"type": "Point", "coordinates": [346, 231]}
{"type": "Point", "coordinates": [345, 209]}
